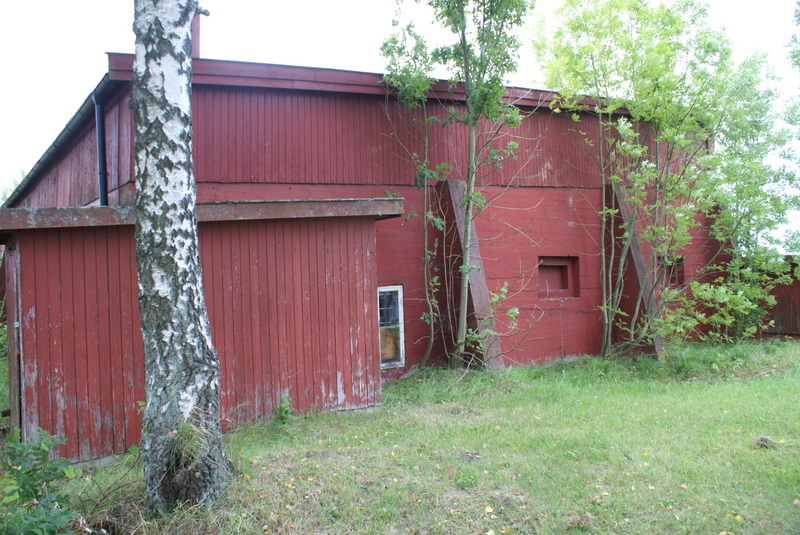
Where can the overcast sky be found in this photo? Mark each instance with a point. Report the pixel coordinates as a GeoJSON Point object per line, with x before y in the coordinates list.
{"type": "Point", "coordinates": [53, 51]}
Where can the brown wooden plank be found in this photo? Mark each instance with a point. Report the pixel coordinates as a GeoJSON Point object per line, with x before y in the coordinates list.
{"type": "Point", "coordinates": [228, 362]}
{"type": "Point", "coordinates": [296, 332]}
{"type": "Point", "coordinates": [284, 275]}
{"type": "Point", "coordinates": [13, 323]}
{"type": "Point", "coordinates": [31, 329]}
{"type": "Point", "coordinates": [115, 334]}
{"type": "Point", "coordinates": [270, 323]}
{"type": "Point", "coordinates": [241, 355]}
{"type": "Point", "coordinates": [129, 330]}
{"type": "Point", "coordinates": [329, 311]}
{"type": "Point", "coordinates": [256, 298]}
{"type": "Point", "coordinates": [478, 289]}
{"type": "Point", "coordinates": [106, 378]}
{"type": "Point", "coordinates": [640, 265]}
{"type": "Point", "coordinates": [94, 216]}
{"type": "Point", "coordinates": [93, 351]}
{"type": "Point", "coordinates": [113, 139]}
{"type": "Point", "coordinates": [55, 383]}
{"type": "Point", "coordinates": [69, 355]}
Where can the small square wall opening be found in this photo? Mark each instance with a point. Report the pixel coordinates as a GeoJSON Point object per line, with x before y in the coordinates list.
{"type": "Point", "coordinates": [558, 277]}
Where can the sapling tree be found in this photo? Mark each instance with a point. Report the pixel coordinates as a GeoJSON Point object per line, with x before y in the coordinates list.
{"type": "Point", "coordinates": [754, 188]}
{"type": "Point", "coordinates": [182, 451]}
{"type": "Point", "coordinates": [482, 52]}
{"type": "Point", "coordinates": [408, 71]}
{"type": "Point", "coordinates": [670, 111]}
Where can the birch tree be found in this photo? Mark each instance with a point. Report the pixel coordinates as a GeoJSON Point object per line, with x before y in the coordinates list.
{"type": "Point", "coordinates": [182, 450]}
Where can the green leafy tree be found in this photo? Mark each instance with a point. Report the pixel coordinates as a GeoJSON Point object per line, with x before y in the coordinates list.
{"type": "Point", "coordinates": [680, 133]}
{"type": "Point", "coordinates": [482, 52]}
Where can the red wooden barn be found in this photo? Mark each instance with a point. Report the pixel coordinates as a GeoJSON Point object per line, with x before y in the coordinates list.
{"type": "Point", "coordinates": [785, 315]}
{"type": "Point", "coordinates": [314, 284]}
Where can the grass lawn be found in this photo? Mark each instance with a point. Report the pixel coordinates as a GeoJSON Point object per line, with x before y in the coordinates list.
{"type": "Point", "coordinates": [706, 442]}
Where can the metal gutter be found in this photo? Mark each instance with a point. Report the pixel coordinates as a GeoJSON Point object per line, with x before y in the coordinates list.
{"type": "Point", "coordinates": [100, 134]}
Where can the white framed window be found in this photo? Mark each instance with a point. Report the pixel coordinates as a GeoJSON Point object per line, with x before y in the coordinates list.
{"type": "Point", "coordinates": [390, 325]}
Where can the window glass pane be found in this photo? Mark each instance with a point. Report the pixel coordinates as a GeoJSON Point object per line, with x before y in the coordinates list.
{"type": "Point", "coordinates": [388, 309]}
{"type": "Point", "coordinates": [390, 323]}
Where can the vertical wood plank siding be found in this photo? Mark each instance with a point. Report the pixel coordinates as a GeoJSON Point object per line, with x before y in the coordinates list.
{"type": "Point", "coordinates": [293, 313]}
{"type": "Point", "coordinates": [262, 136]}
{"type": "Point", "coordinates": [292, 303]}
{"type": "Point", "coordinates": [786, 314]}
{"type": "Point", "coordinates": [258, 136]}
{"type": "Point", "coordinates": [517, 232]}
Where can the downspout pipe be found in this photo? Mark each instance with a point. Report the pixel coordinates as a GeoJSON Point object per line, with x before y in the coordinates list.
{"type": "Point", "coordinates": [102, 170]}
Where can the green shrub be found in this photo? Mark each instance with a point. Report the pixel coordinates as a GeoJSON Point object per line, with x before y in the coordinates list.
{"type": "Point", "coordinates": [283, 412]}
{"type": "Point", "coordinates": [32, 503]}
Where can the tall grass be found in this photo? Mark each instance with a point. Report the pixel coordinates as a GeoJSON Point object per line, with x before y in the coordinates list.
{"type": "Point", "coordinates": [704, 442]}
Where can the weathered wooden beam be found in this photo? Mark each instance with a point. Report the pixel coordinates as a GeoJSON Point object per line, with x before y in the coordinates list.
{"type": "Point", "coordinates": [478, 289]}
{"type": "Point", "coordinates": [637, 254]}
{"type": "Point", "coordinates": [100, 216]}
{"type": "Point", "coordinates": [292, 209]}
{"type": "Point", "coordinates": [87, 216]}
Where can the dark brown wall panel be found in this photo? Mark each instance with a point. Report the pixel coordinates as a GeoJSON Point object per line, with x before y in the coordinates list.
{"type": "Point", "coordinates": [786, 313]}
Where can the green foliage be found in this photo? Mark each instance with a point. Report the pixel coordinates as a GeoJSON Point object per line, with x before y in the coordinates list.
{"type": "Point", "coordinates": [465, 479]}
{"type": "Point", "coordinates": [32, 502]}
{"type": "Point", "coordinates": [732, 307]}
{"type": "Point", "coordinates": [283, 411]}
{"type": "Point", "coordinates": [409, 65]}
{"type": "Point", "coordinates": [482, 52]}
{"type": "Point", "coordinates": [432, 315]}
{"type": "Point", "coordinates": [794, 44]}
{"type": "Point", "coordinates": [751, 177]}
{"type": "Point", "coordinates": [699, 138]}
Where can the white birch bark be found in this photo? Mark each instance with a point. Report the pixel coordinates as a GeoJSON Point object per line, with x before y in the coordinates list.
{"type": "Point", "coordinates": [181, 440]}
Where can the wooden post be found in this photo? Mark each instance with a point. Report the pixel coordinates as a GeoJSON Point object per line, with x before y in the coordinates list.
{"type": "Point", "coordinates": [478, 289]}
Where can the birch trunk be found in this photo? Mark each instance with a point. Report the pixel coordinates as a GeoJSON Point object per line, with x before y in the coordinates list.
{"type": "Point", "coordinates": [181, 441]}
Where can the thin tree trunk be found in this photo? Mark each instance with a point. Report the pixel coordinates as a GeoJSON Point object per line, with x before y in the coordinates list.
{"type": "Point", "coordinates": [458, 357]}
{"type": "Point", "coordinates": [461, 331]}
{"type": "Point", "coordinates": [426, 259]}
{"type": "Point", "coordinates": [181, 441]}
{"type": "Point", "coordinates": [607, 257]}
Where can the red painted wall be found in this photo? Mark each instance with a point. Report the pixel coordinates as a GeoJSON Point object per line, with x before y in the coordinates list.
{"type": "Point", "coordinates": [786, 313]}
{"type": "Point", "coordinates": [253, 143]}
{"type": "Point", "coordinates": [520, 227]}
{"type": "Point", "coordinates": [259, 136]}
{"type": "Point", "coordinates": [292, 307]}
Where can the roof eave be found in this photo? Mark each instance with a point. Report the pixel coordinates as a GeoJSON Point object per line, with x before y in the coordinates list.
{"type": "Point", "coordinates": [84, 115]}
